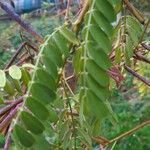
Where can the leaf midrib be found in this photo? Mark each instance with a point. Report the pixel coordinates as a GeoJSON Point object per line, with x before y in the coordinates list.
{"type": "Point", "coordinates": [86, 41]}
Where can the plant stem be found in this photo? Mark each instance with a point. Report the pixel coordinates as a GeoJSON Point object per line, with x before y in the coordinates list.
{"type": "Point", "coordinates": [145, 29]}
{"type": "Point", "coordinates": [18, 51]}
{"type": "Point", "coordinates": [134, 11]}
{"type": "Point", "coordinates": [147, 82]}
{"type": "Point", "coordinates": [7, 142]}
{"type": "Point", "coordinates": [67, 11]}
{"type": "Point", "coordinates": [10, 117]}
{"type": "Point", "coordinates": [13, 58]}
{"type": "Point", "coordinates": [10, 106]}
{"type": "Point", "coordinates": [147, 47]}
{"type": "Point", "coordinates": [68, 87]}
{"type": "Point", "coordinates": [72, 117]}
{"type": "Point", "coordinates": [140, 57]}
{"type": "Point", "coordinates": [112, 148]}
{"type": "Point", "coordinates": [106, 142]}
{"type": "Point", "coordinates": [79, 20]}
{"type": "Point", "coordinates": [130, 131]}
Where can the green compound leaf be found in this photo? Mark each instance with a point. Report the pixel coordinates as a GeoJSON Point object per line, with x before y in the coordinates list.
{"type": "Point", "coordinates": [42, 88]}
{"type": "Point", "coordinates": [94, 61]}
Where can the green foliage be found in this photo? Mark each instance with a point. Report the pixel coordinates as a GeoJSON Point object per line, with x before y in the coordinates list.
{"type": "Point", "coordinates": [128, 37]}
{"type": "Point", "coordinates": [12, 80]}
{"type": "Point", "coordinates": [15, 72]}
{"type": "Point", "coordinates": [10, 31]}
{"type": "Point", "coordinates": [51, 114]}
{"type": "Point", "coordinates": [130, 111]}
{"type": "Point", "coordinates": [96, 35]}
{"type": "Point", "coordinates": [43, 93]}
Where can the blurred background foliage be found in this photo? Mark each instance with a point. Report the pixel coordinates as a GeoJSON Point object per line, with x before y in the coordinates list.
{"type": "Point", "coordinates": [127, 102]}
{"type": "Point", "coordinates": [130, 109]}
{"type": "Point", "coordinates": [10, 36]}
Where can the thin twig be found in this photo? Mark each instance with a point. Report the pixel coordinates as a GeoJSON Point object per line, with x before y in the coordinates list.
{"type": "Point", "coordinates": [7, 142]}
{"type": "Point", "coordinates": [18, 51]}
{"type": "Point", "coordinates": [9, 118]}
{"type": "Point", "coordinates": [105, 142]}
{"type": "Point", "coordinates": [80, 18]}
{"type": "Point", "coordinates": [68, 87]}
{"type": "Point", "coordinates": [130, 131]}
{"type": "Point", "coordinates": [74, 113]}
{"type": "Point", "coordinates": [147, 47]}
{"type": "Point", "coordinates": [67, 11]}
{"type": "Point", "coordinates": [70, 77]}
{"type": "Point", "coordinates": [134, 11]}
{"type": "Point", "coordinates": [8, 107]}
{"type": "Point", "coordinates": [32, 47]}
{"type": "Point", "coordinates": [140, 57]}
{"type": "Point", "coordinates": [147, 82]}
{"type": "Point", "coordinates": [27, 43]}
{"type": "Point", "coordinates": [26, 58]}
{"type": "Point", "coordinates": [144, 31]}
{"type": "Point", "coordinates": [7, 8]}
{"type": "Point", "coordinates": [72, 117]}
{"type": "Point", "coordinates": [13, 58]}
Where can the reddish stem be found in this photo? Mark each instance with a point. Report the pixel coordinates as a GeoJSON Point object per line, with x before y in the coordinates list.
{"type": "Point", "coordinates": [10, 106]}
{"type": "Point", "coordinates": [7, 8]}
{"type": "Point", "coordinates": [147, 82]}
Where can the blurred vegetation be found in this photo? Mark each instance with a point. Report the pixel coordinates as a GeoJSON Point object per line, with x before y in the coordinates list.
{"type": "Point", "coordinates": [10, 36]}
{"type": "Point", "coordinates": [142, 5]}
{"type": "Point", "coordinates": [130, 109]}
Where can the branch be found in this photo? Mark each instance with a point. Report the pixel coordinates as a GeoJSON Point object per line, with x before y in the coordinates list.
{"type": "Point", "coordinates": [130, 131]}
{"type": "Point", "coordinates": [147, 47]}
{"type": "Point", "coordinates": [15, 55]}
{"type": "Point", "coordinates": [26, 58]}
{"type": "Point", "coordinates": [134, 11]}
{"type": "Point", "coordinates": [8, 118]}
{"type": "Point", "coordinates": [19, 49]}
{"type": "Point", "coordinates": [140, 57]}
{"type": "Point", "coordinates": [104, 142]}
{"type": "Point", "coordinates": [79, 20]}
{"type": "Point", "coordinates": [145, 29]}
{"type": "Point", "coordinates": [10, 106]}
{"type": "Point", "coordinates": [7, 142]}
{"type": "Point", "coordinates": [32, 47]}
{"type": "Point", "coordinates": [67, 11]}
{"type": "Point", "coordinates": [6, 7]}
{"type": "Point", "coordinates": [147, 82]}
{"type": "Point", "coordinates": [72, 117]}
